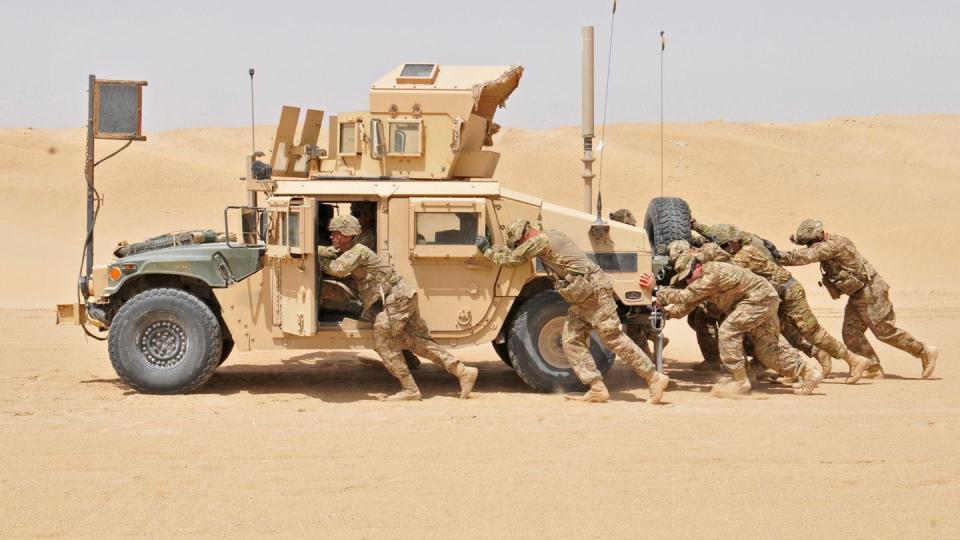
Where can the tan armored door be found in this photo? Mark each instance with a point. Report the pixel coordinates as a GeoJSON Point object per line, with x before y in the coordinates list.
{"type": "Point", "coordinates": [291, 256]}
{"type": "Point", "coordinates": [456, 283]}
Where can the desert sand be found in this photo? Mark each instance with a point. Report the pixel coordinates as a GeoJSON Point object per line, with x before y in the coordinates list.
{"type": "Point", "coordinates": [291, 443]}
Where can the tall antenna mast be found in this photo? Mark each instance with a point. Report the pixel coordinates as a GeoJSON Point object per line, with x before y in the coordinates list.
{"type": "Point", "coordinates": [253, 130]}
{"type": "Point", "coordinates": [663, 45]}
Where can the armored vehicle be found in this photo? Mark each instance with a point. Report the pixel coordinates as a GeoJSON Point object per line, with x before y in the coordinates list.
{"type": "Point", "coordinates": [417, 171]}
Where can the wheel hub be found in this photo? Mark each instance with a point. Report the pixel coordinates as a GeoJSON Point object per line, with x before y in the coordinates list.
{"type": "Point", "coordinates": [550, 343]}
{"type": "Point", "coordinates": [163, 344]}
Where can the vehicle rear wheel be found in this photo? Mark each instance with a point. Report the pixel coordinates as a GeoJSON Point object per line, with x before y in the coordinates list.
{"type": "Point", "coordinates": [536, 349]}
{"type": "Point", "coordinates": [667, 219]}
{"type": "Point", "coordinates": [165, 341]}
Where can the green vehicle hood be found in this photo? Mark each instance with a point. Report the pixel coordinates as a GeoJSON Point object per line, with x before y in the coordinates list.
{"type": "Point", "coordinates": [216, 264]}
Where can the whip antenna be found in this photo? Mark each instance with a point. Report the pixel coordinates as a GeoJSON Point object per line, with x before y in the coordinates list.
{"type": "Point", "coordinates": [663, 45]}
{"type": "Point", "coordinates": [603, 127]}
{"type": "Point", "coordinates": [253, 131]}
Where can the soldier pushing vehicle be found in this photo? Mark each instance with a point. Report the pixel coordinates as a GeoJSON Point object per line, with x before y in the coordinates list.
{"type": "Point", "coordinates": [592, 306]}
{"type": "Point", "coordinates": [846, 272]}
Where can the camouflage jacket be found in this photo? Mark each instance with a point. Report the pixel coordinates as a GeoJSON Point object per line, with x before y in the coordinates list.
{"type": "Point", "coordinates": [375, 277]}
{"type": "Point", "coordinates": [755, 240]}
{"type": "Point", "coordinates": [754, 260]}
{"type": "Point", "coordinates": [710, 252]}
{"type": "Point", "coordinates": [841, 264]}
{"type": "Point", "coordinates": [556, 251]}
{"type": "Point", "coordinates": [723, 284]}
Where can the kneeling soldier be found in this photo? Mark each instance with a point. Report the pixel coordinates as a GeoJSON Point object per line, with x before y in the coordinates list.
{"type": "Point", "coordinates": [592, 307]}
{"type": "Point", "coordinates": [397, 324]}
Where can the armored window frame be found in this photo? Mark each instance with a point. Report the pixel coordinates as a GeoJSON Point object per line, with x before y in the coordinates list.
{"type": "Point", "coordinates": [408, 77]}
{"type": "Point", "coordinates": [445, 205]}
{"type": "Point", "coordinates": [392, 131]}
{"type": "Point", "coordinates": [353, 124]}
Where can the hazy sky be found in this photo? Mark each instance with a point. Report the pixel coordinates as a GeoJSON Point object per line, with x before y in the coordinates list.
{"type": "Point", "coordinates": [725, 60]}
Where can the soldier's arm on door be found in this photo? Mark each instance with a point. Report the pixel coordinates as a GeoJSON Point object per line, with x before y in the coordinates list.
{"type": "Point", "coordinates": [343, 265]}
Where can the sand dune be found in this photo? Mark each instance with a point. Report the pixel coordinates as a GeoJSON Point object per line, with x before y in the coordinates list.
{"type": "Point", "coordinates": [287, 443]}
{"type": "Point", "coordinates": [888, 182]}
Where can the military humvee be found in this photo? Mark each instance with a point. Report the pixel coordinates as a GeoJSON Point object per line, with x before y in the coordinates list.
{"type": "Point", "coordinates": [417, 160]}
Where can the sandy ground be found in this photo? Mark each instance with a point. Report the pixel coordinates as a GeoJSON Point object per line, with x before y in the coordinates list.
{"type": "Point", "coordinates": [291, 444]}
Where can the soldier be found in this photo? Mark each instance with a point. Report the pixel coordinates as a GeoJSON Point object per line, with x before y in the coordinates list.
{"type": "Point", "coordinates": [750, 304]}
{"type": "Point", "coordinates": [845, 271]}
{"type": "Point", "coordinates": [397, 324]}
{"type": "Point", "coordinates": [592, 307]}
{"type": "Point", "coordinates": [797, 322]}
{"type": "Point", "coordinates": [705, 318]}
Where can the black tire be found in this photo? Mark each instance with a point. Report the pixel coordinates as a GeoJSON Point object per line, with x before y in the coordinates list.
{"type": "Point", "coordinates": [503, 351]}
{"type": "Point", "coordinates": [539, 321]}
{"type": "Point", "coordinates": [165, 341]}
{"type": "Point", "coordinates": [667, 219]}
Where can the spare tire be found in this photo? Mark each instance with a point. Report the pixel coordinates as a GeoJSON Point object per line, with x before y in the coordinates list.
{"type": "Point", "coordinates": [667, 219]}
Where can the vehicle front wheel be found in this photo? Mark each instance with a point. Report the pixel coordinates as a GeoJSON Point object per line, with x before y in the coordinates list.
{"type": "Point", "coordinates": [165, 341]}
{"type": "Point", "coordinates": [536, 349]}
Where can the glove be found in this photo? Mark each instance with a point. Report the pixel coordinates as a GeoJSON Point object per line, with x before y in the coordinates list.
{"type": "Point", "coordinates": [482, 243]}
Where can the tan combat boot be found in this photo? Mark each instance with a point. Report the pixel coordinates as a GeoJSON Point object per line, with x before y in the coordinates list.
{"type": "Point", "coordinates": [875, 371]}
{"type": "Point", "coordinates": [810, 377]}
{"type": "Point", "coordinates": [467, 377]}
{"type": "Point", "coordinates": [929, 359]}
{"type": "Point", "coordinates": [596, 394]}
{"type": "Point", "coordinates": [858, 364]}
{"type": "Point", "coordinates": [738, 386]}
{"type": "Point", "coordinates": [657, 383]}
{"type": "Point", "coordinates": [825, 360]}
{"type": "Point", "coordinates": [408, 392]}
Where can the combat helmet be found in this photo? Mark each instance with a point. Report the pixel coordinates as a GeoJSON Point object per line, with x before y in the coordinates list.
{"type": "Point", "coordinates": [624, 215]}
{"type": "Point", "coordinates": [514, 231]}
{"type": "Point", "coordinates": [683, 266]}
{"type": "Point", "coordinates": [809, 232]}
{"type": "Point", "coordinates": [723, 234]}
{"type": "Point", "coordinates": [345, 225]}
{"type": "Point", "coordinates": [677, 247]}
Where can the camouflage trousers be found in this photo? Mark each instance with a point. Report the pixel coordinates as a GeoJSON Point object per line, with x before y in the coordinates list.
{"type": "Point", "coordinates": [870, 307]}
{"type": "Point", "coordinates": [705, 325]}
{"type": "Point", "coordinates": [399, 326]}
{"type": "Point", "coordinates": [759, 323]}
{"type": "Point", "coordinates": [599, 313]}
{"type": "Point", "coordinates": [800, 326]}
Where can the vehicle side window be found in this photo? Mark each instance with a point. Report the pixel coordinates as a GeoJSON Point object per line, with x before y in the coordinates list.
{"type": "Point", "coordinates": [447, 228]}
{"type": "Point", "coordinates": [404, 138]}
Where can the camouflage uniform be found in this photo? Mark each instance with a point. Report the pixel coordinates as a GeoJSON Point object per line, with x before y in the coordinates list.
{"type": "Point", "coordinates": [592, 306]}
{"type": "Point", "coordinates": [845, 271]}
{"type": "Point", "coordinates": [397, 324]}
{"type": "Point", "coordinates": [710, 230]}
{"type": "Point", "coordinates": [705, 318]}
{"type": "Point", "coordinates": [750, 303]}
